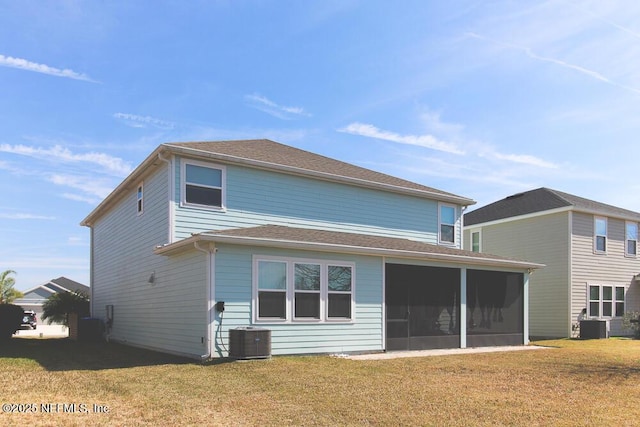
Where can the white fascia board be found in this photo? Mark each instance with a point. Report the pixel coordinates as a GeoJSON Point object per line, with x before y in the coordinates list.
{"type": "Point", "coordinates": [519, 217]}
{"type": "Point", "coordinates": [357, 250]}
{"type": "Point", "coordinates": [463, 201]}
{"type": "Point", "coordinates": [129, 183]}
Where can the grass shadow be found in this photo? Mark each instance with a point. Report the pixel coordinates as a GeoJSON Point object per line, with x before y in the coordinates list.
{"type": "Point", "coordinates": [63, 354]}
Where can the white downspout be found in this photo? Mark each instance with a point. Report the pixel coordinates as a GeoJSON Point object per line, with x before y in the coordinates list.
{"type": "Point", "coordinates": [209, 250]}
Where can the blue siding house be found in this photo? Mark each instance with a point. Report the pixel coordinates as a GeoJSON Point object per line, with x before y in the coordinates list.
{"type": "Point", "coordinates": [329, 256]}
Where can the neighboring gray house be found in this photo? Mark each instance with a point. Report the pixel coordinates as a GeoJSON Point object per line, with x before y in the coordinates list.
{"type": "Point", "coordinates": [590, 250]}
{"type": "Point", "coordinates": [329, 256]}
{"type": "Point", "coordinates": [34, 298]}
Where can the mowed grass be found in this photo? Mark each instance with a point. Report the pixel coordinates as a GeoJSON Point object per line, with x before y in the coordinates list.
{"type": "Point", "coordinates": [572, 383]}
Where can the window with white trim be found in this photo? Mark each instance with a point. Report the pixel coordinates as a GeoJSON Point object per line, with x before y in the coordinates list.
{"type": "Point", "coordinates": [301, 290]}
{"type": "Point", "coordinates": [631, 238]}
{"type": "Point", "coordinates": [606, 301]}
{"type": "Point", "coordinates": [202, 184]}
{"type": "Point", "coordinates": [140, 199]}
{"type": "Point", "coordinates": [600, 234]}
{"type": "Point", "coordinates": [475, 241]}
{"type": "Point", "coordinates": [447, 224]}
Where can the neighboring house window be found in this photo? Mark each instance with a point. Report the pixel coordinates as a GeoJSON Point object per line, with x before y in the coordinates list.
{"type": "Point", "coordinates": [447, 223]}
{"type": "Point", "coordinates": [303, 290]}
{"type": "Point", "coordinates": [140, 199]}
{"type": "Point", "coordinates": [475, 241]}
{"type": "Point", "coordinates": [606, 301]}
{"type": "Point", "coordinates": [600, 231]}
{"type": "Point", "coordinates": [631, 246]}
{"type": "Point", "coordinates": [203, 185]}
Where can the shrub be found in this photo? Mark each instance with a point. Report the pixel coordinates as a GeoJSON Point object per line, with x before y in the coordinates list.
{"type": "Point", "coordinates": [10, 320]}
{"type": "Point", "coordinates": [631, 321]}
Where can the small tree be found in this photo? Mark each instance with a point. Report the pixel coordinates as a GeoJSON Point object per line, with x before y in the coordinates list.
{"type": "Point", "coordinates": [7, 293]}
{"type": "Point", "coordinates": [59, 305]}
{"type": "Point", "coordinates": [10, 320]}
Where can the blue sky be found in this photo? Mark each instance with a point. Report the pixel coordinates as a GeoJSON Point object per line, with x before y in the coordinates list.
{"type": "Point", "coordinates": [480, 98]}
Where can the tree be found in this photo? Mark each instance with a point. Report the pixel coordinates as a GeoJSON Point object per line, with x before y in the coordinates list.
{"type": "Point", "coordinates": [7, 293]}
{"type": "Point", "coordinates": [58, 306]}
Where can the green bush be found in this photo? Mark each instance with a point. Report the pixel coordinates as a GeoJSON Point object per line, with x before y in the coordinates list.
{"type": "Point", "coordinates": [630, 321]}
{"type": "Point", "coordinates": [10, 320]}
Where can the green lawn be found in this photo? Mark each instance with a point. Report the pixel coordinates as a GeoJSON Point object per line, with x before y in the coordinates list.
{"type": "Point", "coordinates": [574, 383]}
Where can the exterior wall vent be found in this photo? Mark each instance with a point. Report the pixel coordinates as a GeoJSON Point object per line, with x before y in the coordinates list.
{"type": "Point", "coordinates": [249, 343]}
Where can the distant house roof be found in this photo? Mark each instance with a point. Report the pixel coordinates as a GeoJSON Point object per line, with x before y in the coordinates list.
{"type": "Point", "coordinates": [541, 200]}
{"type": "Point", "coordinates": [270, 155]}
{"type": "Point", "coordinates": [61, 284]}
{"type": "Point", "coordinates": [332, 241]}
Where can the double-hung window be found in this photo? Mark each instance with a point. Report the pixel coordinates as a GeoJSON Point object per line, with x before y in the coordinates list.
{"type": "Point", "coordinates": [631, 239]}
{"type": "Point", "coordinates": [306, 291]}
{"type": "Point", "coordinates": [301, 290]}
{"type": "Point", "coordinates": [606, 301]}
{"type": "Point", "coordinates": [272, 290]}
{"type": "Point", "coordinates": [202, 184]}
{"type": "Point", "coordinates": [447, 224]}
{"type": "Point", "coordinates": [600, 235]}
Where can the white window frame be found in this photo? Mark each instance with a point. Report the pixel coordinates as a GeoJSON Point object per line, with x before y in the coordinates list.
{"type": "Point", "coordinates": [627, 240]}
{"type": "Point", "coordinates": [183, 184]}
{"type": "Point", "coordinates": [596, 235]}
{"type": "Point", "coordinates": [454, 225]}
{"type": "Point", "coordinates": [140, 199]}
{"type": "Point", "coordinates": [600, 301]}
{"type": "Point", "coordinates": [479, 233]}
{"type": "Point", "coordinates": [290, 290]}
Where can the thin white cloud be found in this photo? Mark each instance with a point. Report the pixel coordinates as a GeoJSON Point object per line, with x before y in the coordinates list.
{"type": "Point", "coordinates": [25, 216]}
{"type": "Point", "coordinates": [526, 159]}
{"type": "Point", "coordinates": [23, 64]}
{"type": "Point", "coordinates": [608, 21]}
{"type": "Point", "coordinates": [91, 186]}
{"type": "Point", "coordinates": [263, 103]}
{"type": "Point", "coordinates": [426, 141]}
{"type": "Point", "coordinates": [531, 54]}
{"type": "Point", "coordinates": [138, 121]}
{"type": "Point", "coordinates": [111, 164]}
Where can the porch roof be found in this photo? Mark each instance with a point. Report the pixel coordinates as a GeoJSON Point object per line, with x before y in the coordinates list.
{"type": "Point", "coordinates": [278, 236]}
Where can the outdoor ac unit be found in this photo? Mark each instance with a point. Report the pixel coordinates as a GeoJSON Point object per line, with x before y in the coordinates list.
{"type": "Point", "coordinates": [249, 343]}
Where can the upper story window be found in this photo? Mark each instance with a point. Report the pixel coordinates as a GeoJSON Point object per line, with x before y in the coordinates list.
{"type": "Point", "coordinates": [600, 234]}
{"type": "Point", "coordinates": [606, 301]}
{"type": "Point", "coordinates": [475, 241]}
{"type": "Point", "coordinates": [203, 184]}
{"type": "Point", "coordinates": [293, 290]}
{"type": "Point", "coordinates": [631, 239]}
{"type": "Point", "coordinates": [447, 224]}
{"type": "Point", "coordinates": [140, 199]}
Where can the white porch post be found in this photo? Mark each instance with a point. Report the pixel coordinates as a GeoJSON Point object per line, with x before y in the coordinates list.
{"type": "Point", "coordinates": [525, 308]}
{"type": "Point", "coordinates": [463, 308]}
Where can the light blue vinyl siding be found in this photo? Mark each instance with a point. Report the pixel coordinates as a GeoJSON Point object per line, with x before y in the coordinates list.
{"type": "Point", "coordinates": [257, 197]}
{"type": "Point", "coordinates": [233, 284]}
{"type": "Point", "coordinates": [168, 314]}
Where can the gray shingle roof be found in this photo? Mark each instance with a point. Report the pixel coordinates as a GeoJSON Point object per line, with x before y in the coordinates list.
{"type": "Point", "coordinates": [540, 200]}
{"type": "Point", "coordinates": [342, 242]}
{"type": "Point", "coordinates": [270, 153]}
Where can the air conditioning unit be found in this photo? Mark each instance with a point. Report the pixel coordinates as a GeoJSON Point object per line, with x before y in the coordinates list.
{"type": "Point", "coordinates": [249, 343]}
